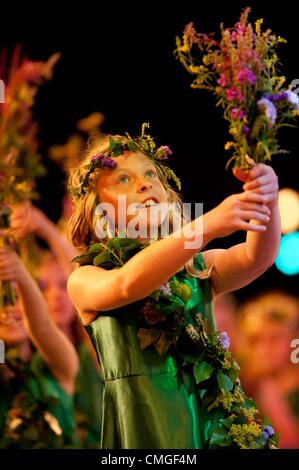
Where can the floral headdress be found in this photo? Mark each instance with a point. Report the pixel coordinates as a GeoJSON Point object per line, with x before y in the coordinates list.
{"type": "Point", "coordinates": [144, 143]}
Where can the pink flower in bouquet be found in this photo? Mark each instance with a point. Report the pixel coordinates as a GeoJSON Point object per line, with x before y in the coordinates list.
{"type": "Point", "coordinates": [235, 113]}
{"type": "Point", "coordinates": [234, 36]}
{"type": "Point", "coordinates": [231, 93]}
{"type": "Point", "coordinates": [222, 80]}
{"type": "Point", "coordinates": [241, 29]}
{"type": "Point", "coordinates": [246, 74]}
{"type": "Point", "coordinates": [245, 128]}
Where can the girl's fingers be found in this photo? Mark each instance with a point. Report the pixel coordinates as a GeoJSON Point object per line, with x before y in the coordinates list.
{"type": "Point", "coordinates": [251, 196]}
{"type": "Point", "coordinates": [258, 170]}
{"type": "Point", "coordinates": [261, 180]}
{"type": "Point", "coordinates": [255, 215]}
{"type": "Point", "coordinates": [253, 227]}
{"type": "Point", "coordinates": [258, 207]}
{"type": "Point", "coordinates": [267, 188]}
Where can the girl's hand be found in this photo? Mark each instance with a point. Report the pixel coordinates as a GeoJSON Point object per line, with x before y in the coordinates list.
{"type": "Point", "coordinates": [263, 180]}
{"type": "Point", "coordinates": [11, 266]}
{"type": "Point", "coordinates": [234, 212]}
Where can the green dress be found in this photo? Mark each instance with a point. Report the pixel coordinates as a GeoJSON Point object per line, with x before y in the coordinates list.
{"type": "Point", "coordinates": [142, 406]}
{"type": "Point", "coordinates": [88, 398]}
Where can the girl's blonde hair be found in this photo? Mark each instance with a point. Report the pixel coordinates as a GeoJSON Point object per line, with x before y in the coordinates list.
{"type": "Point", "coordinates": [81, 225]}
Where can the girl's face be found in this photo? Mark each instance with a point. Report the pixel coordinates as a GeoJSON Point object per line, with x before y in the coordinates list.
{"type": "Point", "coordinates": [54, 281]}
{"type": "Point", "coordinates": [12, 329]}
{"type": "Point", "coordinates": [135, 179]}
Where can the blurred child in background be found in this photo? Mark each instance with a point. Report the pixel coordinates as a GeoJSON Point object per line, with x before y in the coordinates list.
{"type": "Point", "coordinates": [268, 323]}
{"type": "Point", "coordinates": [53, 272]}
{"type": "Point", "coordinates": [37, 385]}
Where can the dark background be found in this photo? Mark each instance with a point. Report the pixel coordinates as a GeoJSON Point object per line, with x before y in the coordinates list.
{"type": "Point", "coordinates": [119, 60]}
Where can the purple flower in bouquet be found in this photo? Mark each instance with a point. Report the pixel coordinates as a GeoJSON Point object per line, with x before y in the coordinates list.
{"type": "Point", "coordinates": [97, 157]}
{"type": "Point", "coordinates": [246, 74]}
{"type": "Point", "coordinates": [224, 340]}
{"type": "Point", "coordinates": [278, 97]}
{"type": "Point", "coordinates": [269, 108]}
{"type": "Point", "coordinates": [245, 128]}
{"type": "Point", "coordinates": [293, 98]}
{"type": "Point", "coordinates": [165, 288]}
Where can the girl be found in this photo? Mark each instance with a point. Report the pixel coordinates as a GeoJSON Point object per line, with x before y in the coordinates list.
{"type": "Point", "coordinates": [143, 407]}
{"type": "Point", "coordinates": [37, 386]}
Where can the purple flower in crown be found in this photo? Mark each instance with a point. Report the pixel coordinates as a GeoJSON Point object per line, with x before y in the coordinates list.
{"type": "Point", "coordinates": [245, 128]}
{"type": "Point", "coordinates": [167, 151]}
{"type": "Point", "coordinates": [97, 157]}
{"type": "Point", "coordinates": [224, 340]}
{"type": "Point", "coordinates": [109, 162]}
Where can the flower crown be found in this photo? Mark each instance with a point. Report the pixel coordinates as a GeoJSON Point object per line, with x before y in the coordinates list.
{"type": "Point", "coordinates": [144, 143]}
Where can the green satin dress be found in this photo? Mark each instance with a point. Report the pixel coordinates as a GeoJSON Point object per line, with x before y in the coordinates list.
{"type": "Point", "coordinates": [142, 405]}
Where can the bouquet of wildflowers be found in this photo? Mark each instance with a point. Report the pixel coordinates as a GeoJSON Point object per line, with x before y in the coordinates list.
{"type": "Point", "coordinates": [20, 164]}
{"type": "Point", "coordinates": [242, 71]}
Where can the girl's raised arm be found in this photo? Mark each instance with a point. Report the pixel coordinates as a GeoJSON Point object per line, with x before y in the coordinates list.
{"type": "Point", "coordinates": [94, 289]}
{"type": "Point", "coordinates": [55, 348]}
